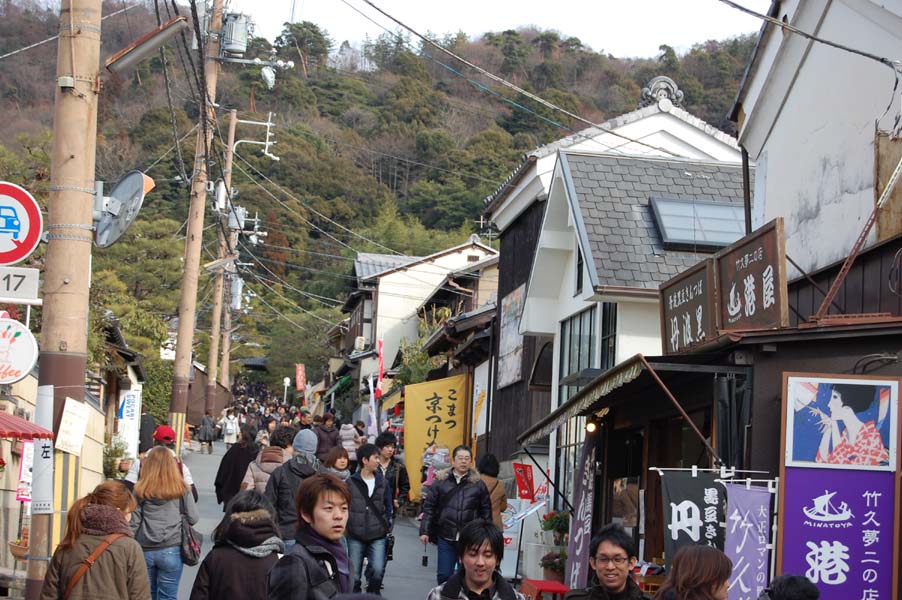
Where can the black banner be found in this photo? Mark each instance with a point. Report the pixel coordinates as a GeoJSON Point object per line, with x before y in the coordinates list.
{"type": "Point", "coordinates": [695, 511]}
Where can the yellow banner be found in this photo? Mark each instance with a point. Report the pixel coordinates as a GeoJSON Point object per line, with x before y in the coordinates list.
{"type": "Point", "coordinates": [434, 414]}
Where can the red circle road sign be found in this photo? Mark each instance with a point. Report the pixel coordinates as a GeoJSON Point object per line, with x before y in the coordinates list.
{"type": "Point", "coordinates": [20, 223]}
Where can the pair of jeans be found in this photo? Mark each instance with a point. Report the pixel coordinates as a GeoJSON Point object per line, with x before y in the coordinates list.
{"type": "Point", "coordinates": [164, 568]}
{"type": "Point", "coordinates": [447, 559]}
{"type": "Point", "coordinates": [375, 563]}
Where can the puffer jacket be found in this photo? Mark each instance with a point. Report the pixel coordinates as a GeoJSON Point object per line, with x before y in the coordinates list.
{"type": "Point", "coordinates": [348, 436]}
{"type": "Point", "coordinates": [119, 573]}
{"type": "Point", "coordinates": [157, 523]}
{"type": "Point", "coordinates": [282, 488]}
{"type": "Point", "coordinates": [599, 592]}
{"type": "Point", "coordinates": [445, 510]}
{"type": "Point", "coordinates": [326, 439]}
{"type": "Point", "coordinates": [363, 523]}
{"type": "Point", "coordinates": [258, 472]}
{"type": "Point", "coordinates": [454, 589]}
{"type": "Point", "coordinates": [306, 572]}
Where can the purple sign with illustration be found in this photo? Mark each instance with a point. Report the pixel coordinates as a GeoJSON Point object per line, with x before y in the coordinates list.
{"type": "Point", "coordinates": [747, 540]}
{"type": "Point", "coordinates": [838, 531]}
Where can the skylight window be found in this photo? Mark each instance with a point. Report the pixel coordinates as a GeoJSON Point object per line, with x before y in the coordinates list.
{"type": "Point", "coordinates": [698, 224]}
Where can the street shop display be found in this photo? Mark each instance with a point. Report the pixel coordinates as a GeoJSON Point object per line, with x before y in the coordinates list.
{"type": "Point", "coordinates": [838, 523]}
{"type": "Point", "coordinates": [695, 510]}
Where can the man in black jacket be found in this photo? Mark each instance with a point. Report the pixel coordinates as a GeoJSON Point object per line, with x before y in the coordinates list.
{"type": "Point", "coordinates": [283, 484]}
{"type": "Point", "coordinates": [456, 497]}
{"type": "Point", "coordinates": [369, 520]}
{"type": "Point", "coordinates": [612, 556]}
{"type": "Point", "coordinates": [392, 468]}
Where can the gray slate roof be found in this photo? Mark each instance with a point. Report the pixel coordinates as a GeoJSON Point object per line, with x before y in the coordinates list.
{"type": "Point", "coordinates": [367, 265]}
{"type": "Point", "coordinates": [618, 226]}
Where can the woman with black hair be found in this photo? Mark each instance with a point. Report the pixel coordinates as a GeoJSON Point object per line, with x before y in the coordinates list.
{"type": "Point", "coordinates": [246, 545]}
{"type": "Point", "coordinates": [857, 442]}
{"type": "Point", "coordinates": [234, 465]}
{"type": "Point", "coordinates": [488, 468]}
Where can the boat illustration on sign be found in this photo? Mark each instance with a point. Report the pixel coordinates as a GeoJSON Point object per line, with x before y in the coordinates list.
{"type": "Point", "coordinates": [822, 509]}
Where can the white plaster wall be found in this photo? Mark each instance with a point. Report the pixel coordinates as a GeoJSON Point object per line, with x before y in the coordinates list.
{"type": "Point", "coordinates": [638, 329]}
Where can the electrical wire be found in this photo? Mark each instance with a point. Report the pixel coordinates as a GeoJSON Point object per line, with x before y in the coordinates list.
{"type": "Point", "coordinates": [170, 149]}
{"type": "Point", "coordinates": [298, 306]}
{"type": "Point", "coordinates": [278, 312]}
{"type": "Point", "coordinates": [172, 119]}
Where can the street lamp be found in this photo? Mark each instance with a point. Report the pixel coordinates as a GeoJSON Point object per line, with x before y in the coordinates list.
{"type": "Point", "coordinates": [286, 382]}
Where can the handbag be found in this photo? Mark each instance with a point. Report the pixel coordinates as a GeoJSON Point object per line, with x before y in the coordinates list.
{"type": "Point", "coordinates": [191, 539]}
{"type": "Point", "coordinates": [90, 560]}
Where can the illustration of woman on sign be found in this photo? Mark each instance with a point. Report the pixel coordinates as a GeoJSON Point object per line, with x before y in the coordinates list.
{"type": "Point", "coordinates": [849, 433]}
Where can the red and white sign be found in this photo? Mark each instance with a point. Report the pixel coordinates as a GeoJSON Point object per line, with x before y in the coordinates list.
{"type": "Point", "coordinates": [18, 351]}
{"type": "Point", "coordinates": [21, 224]}
{"type": "Point", "coordinates": [300, 377]}
{"type": "Point", "coordinates": [525, 484]}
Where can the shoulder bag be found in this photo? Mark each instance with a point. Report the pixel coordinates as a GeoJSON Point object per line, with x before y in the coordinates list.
{"type": "Point", "coordinates": [191, 539]}
{"type": "Point", "coordinates": [90, 560]}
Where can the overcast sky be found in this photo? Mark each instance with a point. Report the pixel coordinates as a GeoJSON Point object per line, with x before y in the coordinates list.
{"type": "Point", "coordinates": [619, 27]}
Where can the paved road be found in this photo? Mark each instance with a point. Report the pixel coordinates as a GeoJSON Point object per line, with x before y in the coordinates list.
{"type": "Point", "coordinates": [405, 577]}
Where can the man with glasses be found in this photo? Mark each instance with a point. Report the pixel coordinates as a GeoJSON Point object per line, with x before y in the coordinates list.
{"type": "Point", "coordinates": [612, 556]}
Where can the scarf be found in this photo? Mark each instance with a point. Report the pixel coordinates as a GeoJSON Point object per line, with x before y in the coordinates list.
{"type": "Point", "coordinates": [101, 519]}
{"type": "Point", "coordinates": [308, 537]}
{"type": "Point", "coordinates": [270, 545]}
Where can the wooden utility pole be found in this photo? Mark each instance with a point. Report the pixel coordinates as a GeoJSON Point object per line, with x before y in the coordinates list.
{"type": "Point", "coordinates": [213, 360]}
{"type": "Point", "coordinates": [181, 371]}
{"type": "Point", "coordinates": [64, 340]}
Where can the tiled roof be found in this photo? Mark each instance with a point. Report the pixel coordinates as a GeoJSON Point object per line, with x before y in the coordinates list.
{"type": "Point", "coordinates": [368, 265]}
{"type": "Point", "coordinates": [612, 193]}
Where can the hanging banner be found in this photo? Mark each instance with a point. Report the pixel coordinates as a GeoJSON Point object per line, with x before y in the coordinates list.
{"type": "Point", "coordinates": [837, 528]}
{"type": "Point", "coordinates": [434, 414]}
{"type": "Point", "coordinates": [695, 510]}
{"type": "Point", "coordinates": [23, 488]}
{"type": "Point", "coordinates": [300, 377]}
{"type": "Point", "coordinates": [480, 392]}
{"type": "Point", "coordinates": [525, 483]}
{"type": "Point", "coordinates": [581, 521]}
{"type": "Point", "coordinates": [747, 539]}
{"type": "Point", "coordinates": [128, 421]}
{"type": "Point", "coordinates": [510, 344]}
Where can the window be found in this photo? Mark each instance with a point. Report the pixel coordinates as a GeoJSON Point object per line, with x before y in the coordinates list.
{"type": "Point", "coordinates": [698, 224]}
{"type": "Point", "coordinates": [569, 447]}
{"type": "Point", "coordinates": [577, 345]}
{"type": "Point", "coordinates": [608, 335]}
{"type": "Point", "coordinates": [579, 271]}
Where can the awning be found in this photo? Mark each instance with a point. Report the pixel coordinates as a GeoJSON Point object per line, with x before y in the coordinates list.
{"type": "Point", "coordinates": [12, 426]}
{"type": "Point", "coordinates": [339, 385]}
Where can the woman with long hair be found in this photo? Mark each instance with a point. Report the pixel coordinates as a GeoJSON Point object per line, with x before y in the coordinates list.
{"type": "Point", "coordinates": [119, 570]}
{"type": "Point", "coordinates": [246, 545]}
{"type": "Point", "coordinates": [162, 498]}
{"type": "Point", "coordinates": [338, 463]}
{"type": "Point", "coordinates": [698, 572]}
{"type": "Point", "coordinates": [234, 465]}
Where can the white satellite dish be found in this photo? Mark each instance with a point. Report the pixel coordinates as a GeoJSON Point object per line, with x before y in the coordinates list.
{"type": "Point", "coordinates": [120, 208]}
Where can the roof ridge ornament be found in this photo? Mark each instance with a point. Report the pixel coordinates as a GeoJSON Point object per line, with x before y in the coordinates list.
{"type": "Point", "coordinates": [661, 90]}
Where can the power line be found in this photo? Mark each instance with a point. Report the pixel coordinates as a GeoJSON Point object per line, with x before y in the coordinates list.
{"type": "Point", "coordinates": [170, 149]}
{"type": "Point", "coordinates": [278, 312]}
{"type": "Point", "coordinates": [277, 293]}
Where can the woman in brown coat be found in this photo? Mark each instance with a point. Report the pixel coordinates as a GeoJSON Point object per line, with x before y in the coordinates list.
{"type": "Point", "coordinates": [119, 572]}
{"type": "Point", "coordinates": [488, 468]}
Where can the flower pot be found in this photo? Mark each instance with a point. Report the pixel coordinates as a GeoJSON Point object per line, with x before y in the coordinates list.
{"type": "Point", "coordinates": [552, 575]}
{"type": "Point", "coordinates": [125, 465]}
{"type": "Point", "coordinates": [18, 551]}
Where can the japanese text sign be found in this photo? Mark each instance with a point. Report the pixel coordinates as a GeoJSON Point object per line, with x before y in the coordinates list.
{"type": "Point", "coordinates": [694, 511]}
{"type": "Point", "coordinates": [300, 377]}
{"type": "Point", "coordinates": [837, 530]}
{"type": "Point", "coordinates": [525, 484]}
{"type": "Point", "coordinates": [581, 524]}
{"type": "Point", "coordinates": [688, 311]}
{"type": "Point", "coordinates": [747, 539]}
{"type": "Point", "coordinates": [23, 488]}
{"type": "Point", "coordinates": [751, 281]}
{"type": "Point", "coordinates": [434, 413]}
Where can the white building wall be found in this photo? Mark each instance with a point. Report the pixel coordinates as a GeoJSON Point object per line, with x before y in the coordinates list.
{"type": "Point", "coordinates": [638, 329]}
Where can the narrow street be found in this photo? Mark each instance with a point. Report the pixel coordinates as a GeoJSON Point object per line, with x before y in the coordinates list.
{"type": "Point", "coordinates": [405, 577]}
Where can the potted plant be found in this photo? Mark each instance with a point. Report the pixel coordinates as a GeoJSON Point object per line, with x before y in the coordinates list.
{"type": "Point", "coordinates": [553, 565]}
{"type": "Point", "coordinates": [558, 523]}
{"type": "Point", "coordinates": [116, 460]}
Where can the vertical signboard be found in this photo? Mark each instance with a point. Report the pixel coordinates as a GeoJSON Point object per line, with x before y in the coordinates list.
{"type": "Point", "coordinates": [748, 539]}
{"type": "Point", "coordinates": [581, 524]}
{"type": "Point", "coordinates": [695, 507]}
{"type": "Point", "coordinates": [510, 343]}
{"type": "Point", "coordinates": [300, 377]}
{"type": "Point", "coordinates": [23, 487]}
{"type": "Point", "coordinates": [688, 309]}
{"type": "Point", "coordinates": [129, 417]}
{"type": "Point", "coordinates": [751, 281]}
{"type": "Point", "coordinates": [838, 484]}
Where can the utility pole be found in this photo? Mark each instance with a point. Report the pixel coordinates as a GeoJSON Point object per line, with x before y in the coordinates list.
{"type": "Point", "coordinates": [64, 340]}
{"type": "Point", "coordinates": [213, 360]}
{"type": "Point", "coordinates": [178, 405]}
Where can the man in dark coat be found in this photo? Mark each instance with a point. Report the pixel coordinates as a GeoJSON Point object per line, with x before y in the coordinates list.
{"type": "Point", "coordinates": [234, 465]}
{"type": "Point", "coordinates": [612, 556]}
{"type": "Point", "coordinates": [327, 436]}
{"type": "Point", "coordinates": [145, 435]}
{"type": "Point", "coordinates": [393, 469]}
{"type": "Point", "coordinates": [369, 520]}
{"type": "Point", "coordinates": [283, 484]}
{"type": "Point", "coordinates": [456, 497]}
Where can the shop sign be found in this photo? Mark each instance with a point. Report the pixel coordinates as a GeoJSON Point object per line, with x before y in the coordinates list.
{"type": "Point", "coordinates": [839, 529]}
{"type": "Point", "coordinates": [688, 309]}
{"type": "Point", "coordinates": [300, 377]}
{"type": "Point", "coordinates": [748, 539]}
{"type": "Point", "coordinates": [695, 506]}
{"type": "Point", "coordinates": [73, 426]}
{"type": "Point", "coordinates": [525, 482]}
{"type": "Point", "coordinates": [751, 281]}
{"type": "Point", "coordinates": [18, 351]}
{"type": "Point", "coordinates": [581, 523]}
{"type": "Point", "coordinates": [23, 488]}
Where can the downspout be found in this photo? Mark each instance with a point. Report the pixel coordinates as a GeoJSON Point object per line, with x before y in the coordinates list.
{"type": "Point", "coordinates": [746, 190]}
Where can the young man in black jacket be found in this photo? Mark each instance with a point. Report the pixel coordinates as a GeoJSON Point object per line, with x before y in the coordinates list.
{"type": "Point", "coordinates": [283, 484]}
{"type": "Point", "coordinates": [369, 521]}
{"type": "Point", "coordinates": [393, 469]}
{"type": "Point", "coordinates": [612, 556]}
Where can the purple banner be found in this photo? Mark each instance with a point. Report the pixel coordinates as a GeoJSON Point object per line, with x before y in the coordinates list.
{"type": "Point", "coordinates": [748, 535]}
{"type": "Point", "coordinates": [838, 531]}
{"type": "Point", "coordinates": [581, 519]}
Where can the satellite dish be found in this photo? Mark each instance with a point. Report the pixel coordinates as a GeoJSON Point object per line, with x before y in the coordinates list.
{"type": "Point", "coordinates": [121, 207]}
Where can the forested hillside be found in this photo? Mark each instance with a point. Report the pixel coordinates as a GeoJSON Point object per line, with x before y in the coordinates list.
{"type": "Point", "coordinates": [386, 148]}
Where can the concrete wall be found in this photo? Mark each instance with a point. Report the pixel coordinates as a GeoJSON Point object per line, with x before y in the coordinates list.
{"type": "Point", "coordinates": [638, 329]}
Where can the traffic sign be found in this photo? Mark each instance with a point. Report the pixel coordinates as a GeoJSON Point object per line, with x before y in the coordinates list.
{"type": "Point", "coordinates": [20, 224]}
{"type": "Point", "coordinates": [19, 283]}
{"type": "Point", "coordinates": [18, 351]}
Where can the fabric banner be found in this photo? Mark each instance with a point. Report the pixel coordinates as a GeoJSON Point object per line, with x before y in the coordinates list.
{"type": "Point", "coordinates": [581, 520]}
{"type": "Point", "coordinates": [525, 483]}
{"type": "Point", "coordinates": [23, 488]}
{"type": "Point", "coordinates": [837, 528]}
{"type": "Point", "coordinates": [434, 415]}
{"type": "Point", "coordinates": [695, 511]}
{"type": "Point", "coordinates": [748, 535]}
{"type": "Point", "coordinates": [300, 377]}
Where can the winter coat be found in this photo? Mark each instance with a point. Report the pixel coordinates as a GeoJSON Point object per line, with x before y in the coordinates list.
{"type": "Point", "coordinates": [364, 524]}
{"type": "Point", "coordinates": [119, 573]}
{"type": "Point", "coordinates": [231, 471]}
{"type": "Point", "coordinates": [268, 460]}
{"type": "Point", "coordinates": [282, 488]}
{"type": "Point", "coordinates": [145, 436]}
{"type": "Point", "coordinates": [306, 572]}
{"type": "Point", "coordinates": [599, 592]}
{"type": "Point", "coordinates": [240, 560]}
{"type": "Point", "coordinates": [498, 497]}
{"type": "Point", "coordinates": [157, 523]}
{"type": "Point", "coordinates": [230, 438]}
{"type": "Point", "coordinates": [326, 439]}
{"type": "Point", "coordinates": [396, 476]}
{"type": "Point", "coordinates": [444, 514]}
{"type": "Point", "coordinates": [207, 430]}
{"type": "Point", "coordinates": [349, 438]}
{"type": "Point", "coordinates": [454, 589]}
